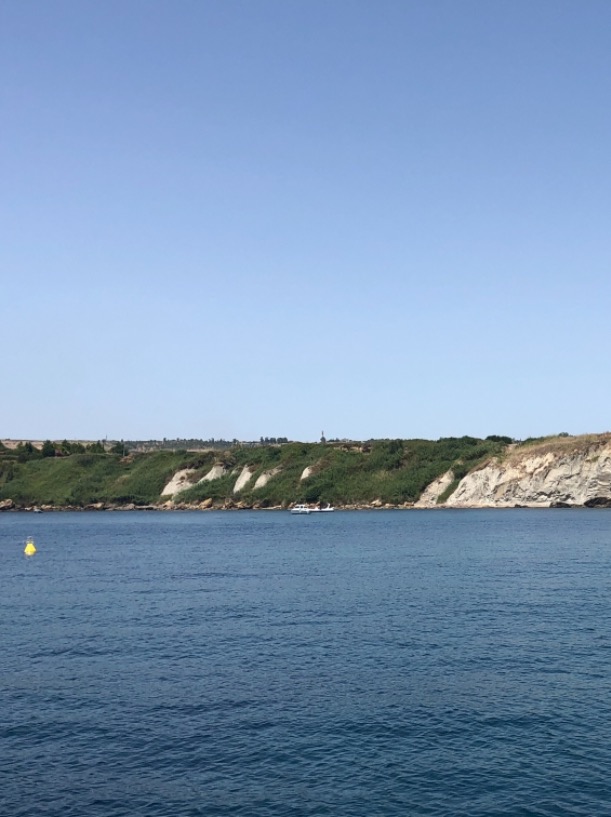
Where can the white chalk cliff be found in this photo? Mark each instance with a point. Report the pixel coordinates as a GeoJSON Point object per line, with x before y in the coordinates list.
{"type": "Point", "coordinates": [432, 492]}
{"type": "Point", "coordinates": [242, 481]}
{"type": "Point", "coordinates": [566, 471]}
{"type": "Point", "coordinates": [181, 481]}
{"type": "Point", "coordinates": [265, 477]}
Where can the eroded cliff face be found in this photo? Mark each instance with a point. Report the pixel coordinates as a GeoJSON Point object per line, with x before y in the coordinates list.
{"type": "Point", "coordinates": [431, 494]}
{"type": "Point", "coordinates": [575, 471]}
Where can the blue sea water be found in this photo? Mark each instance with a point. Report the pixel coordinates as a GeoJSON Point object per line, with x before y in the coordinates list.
{"type": "Point", "coordinates": [357, 664]}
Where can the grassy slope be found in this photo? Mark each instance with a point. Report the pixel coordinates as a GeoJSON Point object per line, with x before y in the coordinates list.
{"type": "Point", "coordinates": [85, 478]}
{"type": "Point", "coordinates": [394, 471]}
{"type": "Point", "coordinates": [559, 444]}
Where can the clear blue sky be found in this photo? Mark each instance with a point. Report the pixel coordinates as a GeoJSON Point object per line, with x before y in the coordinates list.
{"type": "Point", "coordinates": [226, 218]}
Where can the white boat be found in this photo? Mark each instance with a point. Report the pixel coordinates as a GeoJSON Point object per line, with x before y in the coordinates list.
{"type": "Point", "coordinates": [323, 510]}
{"type": "Point", "coordinates": [301, 508]}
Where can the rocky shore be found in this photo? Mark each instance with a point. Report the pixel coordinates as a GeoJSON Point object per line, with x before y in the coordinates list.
{"type": "Point", "coordinates": [206, 505]}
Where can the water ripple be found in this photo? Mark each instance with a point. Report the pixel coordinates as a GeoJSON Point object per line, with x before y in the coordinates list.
{"type": "Point", "coordinates": [438, 664]}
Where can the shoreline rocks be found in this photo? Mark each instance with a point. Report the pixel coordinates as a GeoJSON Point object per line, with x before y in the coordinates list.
{"type": "Point", "coordinates": [230, 505]}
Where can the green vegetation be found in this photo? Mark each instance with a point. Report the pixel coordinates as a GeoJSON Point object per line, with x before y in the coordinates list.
{"type": "Point", "coordinates": [563, 437]}
{"type": "Point", "coordinates": [343, 473]}
{"type": "Point", "coordinates": [83, 479]}
{"type": "Point", "coordinates": [444, 495]}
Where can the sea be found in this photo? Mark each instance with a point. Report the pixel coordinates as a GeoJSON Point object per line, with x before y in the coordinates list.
{"type": "Point", "coordinates": [350, 664]}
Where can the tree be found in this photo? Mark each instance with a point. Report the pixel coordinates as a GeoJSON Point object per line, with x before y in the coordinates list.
{"type": "Point", "coordinates": [48, 449]}
{"type": "Point", "coordinates": [26, 451]}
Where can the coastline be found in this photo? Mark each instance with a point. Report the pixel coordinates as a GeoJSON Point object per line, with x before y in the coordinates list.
{"type": "Point", "coordinates": [165, 508]}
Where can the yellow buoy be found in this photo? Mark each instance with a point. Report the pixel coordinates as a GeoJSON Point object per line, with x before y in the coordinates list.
{"type": "Point", "coordinates": [30, 548]}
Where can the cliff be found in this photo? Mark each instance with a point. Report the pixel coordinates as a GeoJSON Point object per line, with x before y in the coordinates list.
{"type": "Point", "coordinates": [564, 472]}
{"type": "Point", "coordinates": [462, 472]}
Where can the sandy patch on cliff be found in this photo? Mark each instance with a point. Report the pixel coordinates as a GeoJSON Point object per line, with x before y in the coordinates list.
{"type": "Point", "coordinates": [243, 480]}
{"type": "Point", "coordinates": [432, 492]}
{"type": "Point", "coordinates": [264, 478]}
{"type": "Point", "coordinates": [216, 472]}
{"type": "Point", "coordinates": [179, 482]}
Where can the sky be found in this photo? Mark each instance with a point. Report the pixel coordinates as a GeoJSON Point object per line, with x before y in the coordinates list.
{"type": "Point", "coordinates": [246, 218]}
